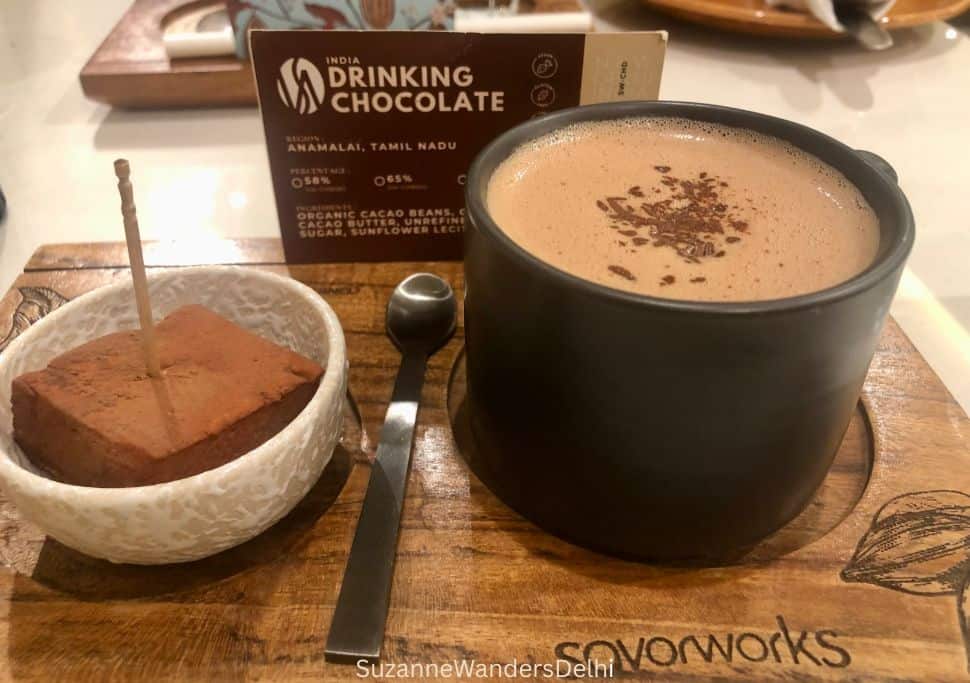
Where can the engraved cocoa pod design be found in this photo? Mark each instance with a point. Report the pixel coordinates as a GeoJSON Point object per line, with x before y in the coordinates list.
{"type": "Point", "coordinates": [377, 13]}
{"type": "Point", "coordinates": [919, 543]}
{"type": "Point", "coordinates": [35, 303]}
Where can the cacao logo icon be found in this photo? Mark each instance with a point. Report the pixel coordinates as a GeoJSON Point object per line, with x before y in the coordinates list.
{"type": "Point", "coordinates": [300, 85]}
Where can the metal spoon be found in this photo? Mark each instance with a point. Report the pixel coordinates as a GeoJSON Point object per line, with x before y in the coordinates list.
{"type": "Point", "coordinates": [421, 317]}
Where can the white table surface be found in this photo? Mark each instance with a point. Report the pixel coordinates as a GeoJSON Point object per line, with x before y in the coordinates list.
{"type": "Point", "coordinates": [203, 173]}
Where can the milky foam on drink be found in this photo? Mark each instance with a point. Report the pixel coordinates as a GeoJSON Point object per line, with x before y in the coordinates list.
{"type": "Point", "coordinates": [684, 210]}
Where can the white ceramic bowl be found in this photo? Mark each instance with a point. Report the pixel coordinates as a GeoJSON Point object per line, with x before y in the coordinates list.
{"type": "Point", "coordinates": [200, 515]}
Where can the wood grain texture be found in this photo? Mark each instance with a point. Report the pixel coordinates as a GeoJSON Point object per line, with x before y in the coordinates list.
{"type": "Point", "coordinates": [474, 581]}
{"type": "Point", "coordinates": [157, 253]}
{"type": "Point", "coordinates": [756, 17]}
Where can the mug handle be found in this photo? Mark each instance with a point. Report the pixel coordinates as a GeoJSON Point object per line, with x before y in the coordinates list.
{"type": "Point", "coordinates": [878, 163]}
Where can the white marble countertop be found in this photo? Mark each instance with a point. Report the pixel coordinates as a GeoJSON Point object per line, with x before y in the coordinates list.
{"type": "Point", "coordinates": [203, 173]}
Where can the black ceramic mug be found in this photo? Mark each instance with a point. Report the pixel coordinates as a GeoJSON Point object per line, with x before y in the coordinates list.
{"type": "Point", "coordinates": [655, 428]}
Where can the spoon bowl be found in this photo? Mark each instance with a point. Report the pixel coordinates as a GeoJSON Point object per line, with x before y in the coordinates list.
{"type": "Point", "coordinates": [421, 313]}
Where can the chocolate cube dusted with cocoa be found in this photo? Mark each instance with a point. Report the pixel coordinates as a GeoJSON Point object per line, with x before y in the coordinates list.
{"type": "Point", "coordinates": [94, 417]}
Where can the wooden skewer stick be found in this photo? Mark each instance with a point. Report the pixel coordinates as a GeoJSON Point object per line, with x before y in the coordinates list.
{"type": "Point", "coordinates": [133, 238]}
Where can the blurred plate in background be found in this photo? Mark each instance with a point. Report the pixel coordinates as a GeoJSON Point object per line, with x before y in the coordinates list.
{"type": "Point", "coordinates": [754, 16]}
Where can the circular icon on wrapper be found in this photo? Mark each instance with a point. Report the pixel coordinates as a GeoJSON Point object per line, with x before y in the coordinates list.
{"type": "Point", "coordinates": [545, 65]}
{"type": "Point", "coordinates": [543, 95]}
{"type": "Point", "coordinates": [300, 85]}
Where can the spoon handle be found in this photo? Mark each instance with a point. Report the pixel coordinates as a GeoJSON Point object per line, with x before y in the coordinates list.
{"type": "Point", "coordinates": [357, 629]}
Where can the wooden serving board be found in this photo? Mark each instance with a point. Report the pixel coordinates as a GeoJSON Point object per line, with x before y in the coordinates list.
{"type": "Point", "coordinates": [869, 584]}
{"type": "Point", "coordinates": [131, 68]}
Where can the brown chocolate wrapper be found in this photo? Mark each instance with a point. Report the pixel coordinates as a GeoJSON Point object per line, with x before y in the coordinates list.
{"type": "Point", "coordinates": [370, 134]}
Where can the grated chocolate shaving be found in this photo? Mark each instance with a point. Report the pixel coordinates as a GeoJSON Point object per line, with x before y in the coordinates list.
{"type": "Point", "coordinates": [622, 272]}
{"type": "Point", "coordinates": [692, 220]}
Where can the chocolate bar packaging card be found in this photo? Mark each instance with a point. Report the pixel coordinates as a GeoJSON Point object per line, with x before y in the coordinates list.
{"type": "Point", "coordinates": [370, 134]}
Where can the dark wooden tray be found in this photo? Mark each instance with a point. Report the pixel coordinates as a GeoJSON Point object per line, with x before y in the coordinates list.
{"type": "Point", "coordinates": [868, 584]}
{"type": "Point", "coordinates": [131, 68]}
